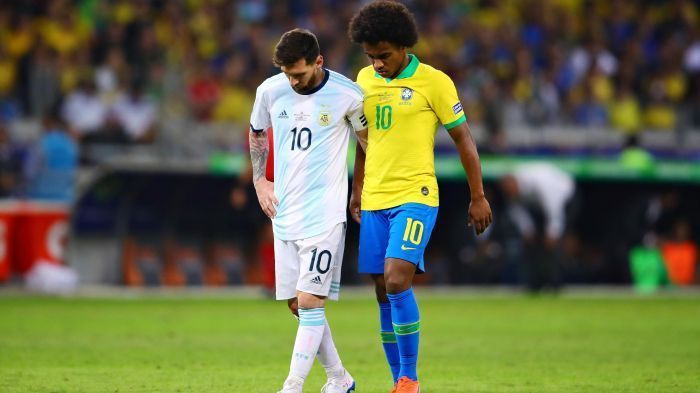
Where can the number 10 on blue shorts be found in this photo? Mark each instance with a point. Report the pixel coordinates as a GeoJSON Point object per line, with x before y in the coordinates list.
{"type": "Point", "coordinates": [399, 232]}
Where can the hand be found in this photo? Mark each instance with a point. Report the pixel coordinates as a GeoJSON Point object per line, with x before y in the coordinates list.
{"type": "Point", "coordinates": [480, 214]}
{"type": "Point", "coordinates": [266, 197]}
{"type": "Point", "coordinates": [354, 206]}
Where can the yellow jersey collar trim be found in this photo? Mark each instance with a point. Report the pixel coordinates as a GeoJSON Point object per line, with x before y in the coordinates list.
{"type": "Point", "coordinates": [407, 72]}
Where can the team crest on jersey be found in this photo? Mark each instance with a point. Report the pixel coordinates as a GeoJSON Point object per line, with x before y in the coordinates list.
{"type": "Point", "coordinates": [324, 119]}
{"type": "Point", "coordinates": [406, 94]}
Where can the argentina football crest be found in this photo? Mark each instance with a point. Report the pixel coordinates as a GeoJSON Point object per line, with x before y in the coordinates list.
{"type": "Point", "coordinates": [324, 118]}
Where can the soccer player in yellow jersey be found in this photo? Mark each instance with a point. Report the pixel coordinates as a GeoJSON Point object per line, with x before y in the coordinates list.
{"type": "Point", "coordinates": [395, 191]}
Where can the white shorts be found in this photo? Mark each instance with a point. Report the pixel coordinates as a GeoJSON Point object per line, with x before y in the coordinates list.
{"type": "Point", "coordinates": [310, 265]}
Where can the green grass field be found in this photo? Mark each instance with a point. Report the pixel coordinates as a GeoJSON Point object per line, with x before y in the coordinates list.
{"type": "Point", "coordinates": [469, 343]}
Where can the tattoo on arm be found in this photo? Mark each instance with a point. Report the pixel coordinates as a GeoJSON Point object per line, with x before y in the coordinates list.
{"type": "Point", "coordinates": [259, 151]}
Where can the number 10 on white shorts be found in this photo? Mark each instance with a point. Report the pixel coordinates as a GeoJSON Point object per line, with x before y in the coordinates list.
{"type": "Point", "coordinates": [310, 265]}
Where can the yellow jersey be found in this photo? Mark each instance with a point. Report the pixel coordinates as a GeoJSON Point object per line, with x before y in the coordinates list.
{"type": "Point", "coordinates": [404, 114]}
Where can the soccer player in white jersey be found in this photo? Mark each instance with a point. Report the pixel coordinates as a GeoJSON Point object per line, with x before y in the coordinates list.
{"type": "Point", "coordinates": [312, 111]}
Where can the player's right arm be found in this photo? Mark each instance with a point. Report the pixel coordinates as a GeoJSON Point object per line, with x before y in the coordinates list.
{"type": "Point", "coordinates": [358, 121]}
{"type": "Point", "coordinates": [259, 151]}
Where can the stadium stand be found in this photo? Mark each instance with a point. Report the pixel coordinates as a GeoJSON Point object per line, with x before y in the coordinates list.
{"type": "Point", "coordinates": [161, 91]}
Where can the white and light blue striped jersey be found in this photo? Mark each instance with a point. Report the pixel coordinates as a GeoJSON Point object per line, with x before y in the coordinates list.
{"type": "Point", "coordinates": [311, 133]}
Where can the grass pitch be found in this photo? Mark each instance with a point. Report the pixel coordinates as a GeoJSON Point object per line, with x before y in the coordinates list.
{"type": "Point", "coordinates": [468, 344]}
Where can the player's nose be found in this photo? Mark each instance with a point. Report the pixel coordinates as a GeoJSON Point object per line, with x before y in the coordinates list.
{"type": "Point", "coordinates": [378, 64]}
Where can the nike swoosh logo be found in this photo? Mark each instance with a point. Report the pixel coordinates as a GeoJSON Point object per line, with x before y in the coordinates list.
{"type": "Point", "coordinates": [404, 248]}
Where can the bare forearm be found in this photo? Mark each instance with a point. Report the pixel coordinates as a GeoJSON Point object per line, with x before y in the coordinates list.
{"type": "Point", "coordinates": [259, 151]}
{"type": "Point", "coordinates": [362, 139]}
{"type": "Point", "coordinates": [469, 156]}
{"type": "Point", "coordinates": [358, 177]}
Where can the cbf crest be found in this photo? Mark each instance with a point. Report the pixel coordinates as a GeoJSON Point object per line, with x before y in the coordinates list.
{"type": "Point", "coordinates": [406, 94]}
{"type": "Point", "coordinates": [324, 119]}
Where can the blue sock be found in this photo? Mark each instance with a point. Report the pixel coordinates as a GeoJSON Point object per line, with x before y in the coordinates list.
{"type": "Point", "coordinates": [406, 320]}
{"type": "Point", "coordinates": [391, 349]}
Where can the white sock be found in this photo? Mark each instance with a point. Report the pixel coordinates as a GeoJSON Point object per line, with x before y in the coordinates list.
{"type": "Point", "coordinates": [328, 355]}
{"type": "Point", "coordinates": [309, 335]}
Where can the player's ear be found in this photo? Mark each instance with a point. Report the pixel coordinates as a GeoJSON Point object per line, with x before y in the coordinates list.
{"type": "Point", "coordinates": [319, 61]}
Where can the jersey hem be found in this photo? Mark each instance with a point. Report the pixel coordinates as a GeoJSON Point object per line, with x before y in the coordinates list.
{"type": "Point", "coordinates": [313, 232]}
{"type": "Point", "coordinates": [396, 204]}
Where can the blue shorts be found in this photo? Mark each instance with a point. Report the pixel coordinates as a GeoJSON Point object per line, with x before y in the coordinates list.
{"type": "Point", "coordinates": [400, 232]}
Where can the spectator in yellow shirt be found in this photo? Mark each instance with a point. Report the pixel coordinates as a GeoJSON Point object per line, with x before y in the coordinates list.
{"type": "Point", "coordinates": [236, 101]}
{"type": "Point", "coordinates": [624, 110]}
{"type": "Point", "coordinates": [7, 74]}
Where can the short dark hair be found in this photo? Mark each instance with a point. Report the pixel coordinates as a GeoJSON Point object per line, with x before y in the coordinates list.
{"type": "Point", "coordinates": [295, 45]}
{"type": "Point", "coordinates": [387, 21]}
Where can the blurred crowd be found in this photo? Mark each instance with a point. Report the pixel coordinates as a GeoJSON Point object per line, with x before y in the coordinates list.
{"type": "Point", "coordinates": [122, 72]}
{"type": "Point", "coordinates": [112, 70]}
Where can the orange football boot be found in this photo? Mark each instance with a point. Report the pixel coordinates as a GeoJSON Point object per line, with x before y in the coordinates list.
{"type": "Point", "coordinates": [407, 385]}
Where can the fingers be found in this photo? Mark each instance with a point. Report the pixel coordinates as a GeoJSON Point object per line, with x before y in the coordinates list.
{"type": "Point", "coordinates": [266, 210]}
{"type": "Point", "coordinates": [271, 206]}
{"type": "Point", "coordinates": [480, 224]}
{"type": "Point", "coordinates": [268, 207]}
{"type": "Point", "coordinates": [354, 208]}
{"type": "Point", "coordinates": [479, 227]}
{"type": "Point", "coordinates": [486, 222]}
{"type": "Point", "coordinates": [355, 213]}
{"type": "Point", "coordinates": [267, 199]}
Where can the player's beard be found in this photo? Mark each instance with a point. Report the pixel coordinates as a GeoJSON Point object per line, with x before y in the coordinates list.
{"type": "Point", "coordinates": [300, 89]}
{"type": "Point", "coordinates": [312, 83]}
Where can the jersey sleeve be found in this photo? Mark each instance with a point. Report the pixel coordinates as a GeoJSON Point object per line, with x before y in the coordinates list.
{"type": "Point", "coordinates": [445, 102]}
{"type": "Point", "coordinates": [356, 116]}
{"type": "Point", "coordinates": [260, 117]}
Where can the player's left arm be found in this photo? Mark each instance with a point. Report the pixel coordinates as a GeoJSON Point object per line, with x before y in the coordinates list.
{"type": "Point", "coordinates": [445, 103]}
{"type": "Point", "coordinates": [480, 215]}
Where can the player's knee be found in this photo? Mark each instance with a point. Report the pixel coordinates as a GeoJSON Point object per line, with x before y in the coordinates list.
{"type": "Point", "coordinates": [308, 300]}
{"type": "Point", "coordinates": [396, 283]}
{"type": "Point", "coordinates": [293, 305]}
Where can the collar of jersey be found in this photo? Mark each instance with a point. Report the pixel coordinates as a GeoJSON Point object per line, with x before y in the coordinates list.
{"type": "Point", "coordinates": [407, 72]}
{"type": "Point", "coordinates": [317, 88]}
